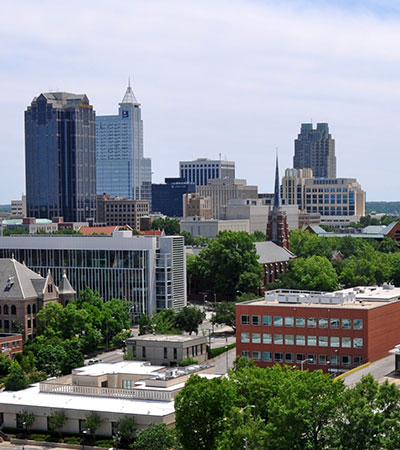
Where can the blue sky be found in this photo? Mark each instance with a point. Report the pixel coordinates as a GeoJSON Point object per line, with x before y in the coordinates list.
{"type": "Point", "coordinates": [235, 77]}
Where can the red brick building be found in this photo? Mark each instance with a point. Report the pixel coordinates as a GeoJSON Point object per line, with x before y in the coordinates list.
{"type": "Point", "coordinates": [11, 343]}
{"type": "Point", "coordinates": [329, 331]}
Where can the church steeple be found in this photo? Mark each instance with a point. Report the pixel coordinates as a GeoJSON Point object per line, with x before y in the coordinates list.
{"type": "Point", "coordinates": [129, 97]}
{"type": "Point", "coordinates": [277, 190]}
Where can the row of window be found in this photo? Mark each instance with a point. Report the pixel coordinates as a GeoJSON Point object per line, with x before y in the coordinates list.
{"type": "Point", "coordinates": [299, 358]}
{"type": "Point", "coordinates": [13, 309]}
{"type": "Point", "coordinates": [311, 341]}
{"type": "Point", "coordinates": [290, 321]}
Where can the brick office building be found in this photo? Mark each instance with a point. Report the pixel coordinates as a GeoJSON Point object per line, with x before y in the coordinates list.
{"type": "Point", "coordinates": [330, 331]}
{"type": "Point", "coordinates": [10, 344]}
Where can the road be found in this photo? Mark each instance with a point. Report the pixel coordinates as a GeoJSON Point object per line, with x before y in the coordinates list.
{"type": "Point", "coordinates": [379, 369]}
{"type": "Point", "coordinates": [109, 357]}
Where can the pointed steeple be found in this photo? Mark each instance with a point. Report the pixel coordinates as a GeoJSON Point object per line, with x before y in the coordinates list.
{"type": "Point", "coordinates": [129, 97]}
{"type": "Point", "coordinates": [277, 190]}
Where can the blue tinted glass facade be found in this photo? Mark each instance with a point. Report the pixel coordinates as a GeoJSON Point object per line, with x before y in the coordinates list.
{"type": "Point", "coordinates": [168, 198]}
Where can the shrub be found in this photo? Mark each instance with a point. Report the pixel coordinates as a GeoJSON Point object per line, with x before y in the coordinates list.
{"type": "Point", "coordinates": [187, 361]}
{"type": "Point", "coordinates": [213, 352]}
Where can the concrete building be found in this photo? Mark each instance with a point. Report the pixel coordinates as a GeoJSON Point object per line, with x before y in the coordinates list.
{"type": "Point", "coordinates": [31, 225]}
{"type": "Point", "coordinates": [195, 205]}
{"type": "Point", "coordinates": [338, 200]}
{"type": "Point", "coordinates": [60, 157]}
{"type": "Point", "coordinates": [121, 211]}
{"type": "Point", "coordinates": [222, 190]}
{"type": "Point", "coordinates": [11, 344]}
{"type": "Point", "coordinates": [167, 198]}
{"type": "Point", "coordinates": [150, 271]}
{"type": "Point", "coordinates": [253, 210]}
{"type": "Point", "coordinates": [202, 169]}
{"type": "Point", "coordinates": [198, 226]}
{"type": "Point", "coordinates": [122, 170]}
{"type": "Point", "coordinates": [18, 208]}
{"type": "Point", "coordinates": [314, 149]}
{"type": "Point", "coordinates": [167, 349]}
{"type": "Point", "coordinates": [132, 389]}
{"type": "Point", "coordinates": [332, 331]}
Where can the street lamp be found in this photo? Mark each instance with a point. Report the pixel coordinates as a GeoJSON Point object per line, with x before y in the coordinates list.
{"type": "Point", "coordinates": [85, 433]}
{"type": "Point", "coordinates": [117, 439]}
{"type": "Point", "coordinates": [305, 361]}
{"type": "Point", "coordinates": [226, 353]}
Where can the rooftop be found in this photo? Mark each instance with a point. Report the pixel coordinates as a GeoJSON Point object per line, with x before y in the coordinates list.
{"type": "Point", "coordinates": [166, 338]}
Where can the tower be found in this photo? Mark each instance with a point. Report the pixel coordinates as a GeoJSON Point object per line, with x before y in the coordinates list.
{"type": "Point", "coordinates": [60, 157]}
{"type": "Point", "coordinates": [122, 171]}
{"type": "Point", "coordinates": [314, 149]}
{"type": "Point", "coordinates": [277, 226]}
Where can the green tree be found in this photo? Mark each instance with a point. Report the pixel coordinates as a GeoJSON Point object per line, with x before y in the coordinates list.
{"type": "Point", "coordinates": [50, 358]}
{"type": "Point", "coordinates": [16, 378]}
{"type": "Point", "coordinates": [126, 429]}
{"type": "Point", "coordinates": [189, 318]}
{"type": "Point", "coordinates": [57, 420]}
{"type": "Point", "coordinates": [5, 363]}
{"type": "Point", "coordinates": [258, 236]}
{"type": "Point", "coordinates": [388, 245]}
{"type": "Point", "coordinates": [73, 355]}
{"type": "Point", "coordinates": [25, 420]}
{"type": "Point", "coordinates": [155, 437]}
{"type": "Point", "coordinates": [225, 314]}
{"type": "Point", "coordinates": [92, 423]}
{"type": "Point", "coordinates": [200, 408]}
{"type": "Point", "coordinates": [230, 264]}
{"type": "Point", "coordinates": [145, 325]}
{"type": "Point", "coordinates": [164, 322]}
{"type": "Point", "coordinates": [169, 226]}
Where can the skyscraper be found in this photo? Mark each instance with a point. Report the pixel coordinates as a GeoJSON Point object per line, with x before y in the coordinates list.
{"type": "Point", "coordinates": [122, 171]}
{"type": "Point", "coordinates": [314, 149]}
{"type": "Point", "coordinates": [60, 157]}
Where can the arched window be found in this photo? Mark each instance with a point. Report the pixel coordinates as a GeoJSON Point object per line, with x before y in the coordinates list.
{"type": "Point", "coordinates": [5, 309]}
{"type": "Point", "coordinates": [34, 309]}
{"type": "Point", "coordinates": [28, 309]}
{"type": "Point", "coordinates": [13, 310]}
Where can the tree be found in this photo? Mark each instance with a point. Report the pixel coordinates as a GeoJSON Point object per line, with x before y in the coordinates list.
{"type": "Point", "coordinates": [50, 358]}
{"type": "Point", "coordinates": [230, 263]}
{"type": "Point", "coordinates": [5, 363]}
{"type": "Point", "coordinates": [57, 420]}
{"type": "Point", "coordinates": [16, 378]}
{"type": "Point", "coordinates": [201, 407]}
{"type": "Point", "coordinates": [25, 420]}
{"type": "Point", "coordinates": [155, 437]}
{"type": "Point", "coordinates": [126, 429]}
{"type": "Point", "coordinates": [145, 325]}
{"type": "Point", "coordinates": [189, 318]}
{"type": "Point", "coordinates": [92, 423]}
{"type": "Point", "coordinates": [225, 313]}
{"type": "Point", "coordinates": [164, 322]}
{"type": "Point", "coordinates": [258, 236]}
{"type": "Point", "coordinates": [170, 226]}
{"type": "Point", "coordinates": [388, 245]}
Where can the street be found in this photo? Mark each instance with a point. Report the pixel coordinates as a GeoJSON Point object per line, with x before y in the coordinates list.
{"type": "Point", "coordinates": [379, 369]}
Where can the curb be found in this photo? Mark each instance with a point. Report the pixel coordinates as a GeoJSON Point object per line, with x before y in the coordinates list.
{"type": "Point", "coordinates": [349, 372]}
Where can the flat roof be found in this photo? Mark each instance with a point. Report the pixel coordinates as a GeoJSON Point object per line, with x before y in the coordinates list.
{"type": "Point", "coordinates": [166, 338]}
{"type": "Point", "coordinates": [355, 305]}
{"type": "Point", "coordinates": [123, 367]}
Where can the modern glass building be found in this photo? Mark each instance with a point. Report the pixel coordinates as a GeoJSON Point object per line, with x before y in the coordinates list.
{"type": "Point", "coordinates": [122, 171]}
{"type": "Point", "coordinates": [60, 157]}
{"type": "Point", "coordinates": [148, 271]}
{"type": "Point", "coordinates": [167, 198]}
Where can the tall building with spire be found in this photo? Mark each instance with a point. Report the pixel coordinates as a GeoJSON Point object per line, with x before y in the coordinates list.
{"type": "Point", "coordinates": [122, 170]}
{"type": "Point", "coordinates": [277, 225]}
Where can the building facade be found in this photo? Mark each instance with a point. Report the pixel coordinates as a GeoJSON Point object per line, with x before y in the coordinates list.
{"type": "Point", "coordinates": [122, 170]}
{"type": "Point", "coordinates": [201, 170]}
{"type": "Point", "coordinates": [60, 157]}
{"type": "Point", "coordinates": [150, 272]}
{"type": "Point", "coordinates": [314, 149]}
{"type": "Point", "coordinates": [121, 211]}
{"type": "Point", "coordinates": [11, 344]}
{"type": "Point", "coordinates": [167, 198]}
{"type": "Point", "coordinates": [197, 226]}
{"type": "Point", "coordinates": [195, 205]}
{"type": "Point", "coordinates": [18, 208]}
{"type": "Point", "coordinates": [333, 331]}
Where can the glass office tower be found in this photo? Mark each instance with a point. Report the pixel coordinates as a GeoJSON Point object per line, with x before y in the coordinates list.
{"type": "Point", "coordinates": [122, 171]}
{"type": "Point", "coordinates": [60, 157]}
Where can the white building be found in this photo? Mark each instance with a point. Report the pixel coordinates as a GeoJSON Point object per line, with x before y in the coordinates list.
{"type": "Point", "coordinates": [197, 226]}
{"type": "Point", "coordinates": [18, 208]}
{"type": "Point", "coordinates": [202, 169]}
{"type": "Point", "coordinates": [148, 271]}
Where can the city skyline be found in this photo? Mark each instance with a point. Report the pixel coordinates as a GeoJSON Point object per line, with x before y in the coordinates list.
{"type": "Point", "coordinates": [236, 78]}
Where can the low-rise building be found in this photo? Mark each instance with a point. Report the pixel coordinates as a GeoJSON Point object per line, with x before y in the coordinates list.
{"type": "Point", "coordinates": [197, 226]}
{"type": "Point", "coordinates": [196, 205]}
{"type": "Point", "coordinates": [11, 344]}
{"type": "Point", "coordinates": [274, 259]}
{"type": "Point", "coordinates": [167, 349]}
{"type": "Point", "coordinates": [18, 208]}
{"type": "Point", "coordinates": [332, 331]}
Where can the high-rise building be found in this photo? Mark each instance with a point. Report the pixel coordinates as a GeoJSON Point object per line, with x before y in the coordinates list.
{"type": "Point", "coordinates": [122, 171]}
{"type": "Point", "coordinates": [201, 170]}
{"type": "Point", "coordinates": [60, 157]}
{"type": "Point", "coordinates": [314, 149]}
{"type": "Point", "coordinates": [167, 198]}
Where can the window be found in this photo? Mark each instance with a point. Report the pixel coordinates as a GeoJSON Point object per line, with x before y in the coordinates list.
{"type": "Point", "coordinates": [311, 341]}
{"type": "Point", "coordinates": [245, 319]}
{"type": "Point", "coordinates": [267, 338]}
{"type": "Point", "coordinates": [5, 309]}
{"type": "Point", "coordinates": [255, 320]}
{"type": "Point", "coordinates": [311, 322]}
{"type": "Point", "coordinates": [323, 341]}
{"type": "Point", "coordinates": [245, 354]}
{"type": "Point", "coordinates": [323, 323]}
{"type": "Point", "coordinates": [346, 342]}
{"type": "Point", "coordinates": [334, 323]}
{"type": "Point", "coordinates": [256, 338]}
{"type": "Point", "coordinates": [28, 309]}
{"type": "Point", "coordinates": [300, 357]}
{"type": "Point", "coordinates": [357, 360]}
{"type": "Point", "coordinates": [13, 310]}
{"type": "Point", "coordinates": [245, 338]}
{"type": "Point", "coordinates": [312, 358]}
{"type": "Point", "coordinates": [358, 324]}
{"type": "Point", "coordinates": [278, 339]}
{"type": "Point", "coordinates": [335, 341]}
{"type": "Point", "coordinates": [267, 321]}
{"type": "Point", "coordinates": [300, 322]}
{"type": "Point", "coordinates": [165, 353]}
{"type": "Point", "coordinates": [256, 356]}
{"type": "Point", "coordinates": [278, 322]}
{"type": "Point", "coordinates": [267, 356]}
{"type": "Point", "coordinates": [128, 384]}
{"type": "Point", "coordinates": [334, 360]}
{"type": "Point", "coordinates": [323, 359]}
{"type": "Point", "coordinates": [289, 339]}
{"type": "Point", "coordinates": [278, 357]}
{"type": "Point", "coordinates": [346, 324]}
{"type": "Point", "coordinates": [143, 352]}
{"type": "Point", "coordinates": [358, 343]}
{"type": "Point", "coordinates": [289, 357]}
{"type": "Point", "coordinates": [300, 340]}
{"type": "Point", "coordinates": [346, 360]}
{"type": "Point", "coordinates": [289, 322]}
{"type": "Point", "coordinates": [29, 323]}
{"type": "Point", "coordinates": [7, 324]}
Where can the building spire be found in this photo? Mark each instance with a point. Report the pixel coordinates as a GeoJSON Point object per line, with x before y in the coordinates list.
{"type": "Point", "coordinates": [277, 191]}
{"type": "Point", "coordinates": [129, 97]}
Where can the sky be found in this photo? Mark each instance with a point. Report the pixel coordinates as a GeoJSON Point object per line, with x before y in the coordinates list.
{"type": "Point", "coordinates": [229, 77]}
